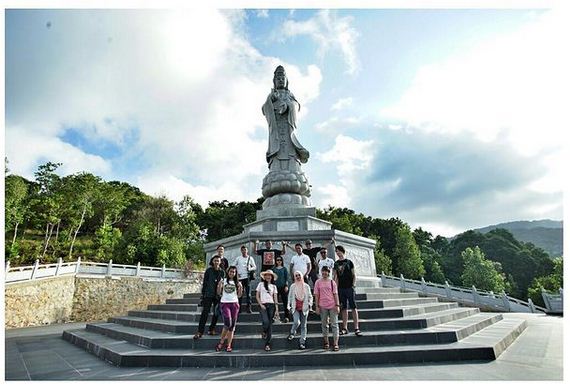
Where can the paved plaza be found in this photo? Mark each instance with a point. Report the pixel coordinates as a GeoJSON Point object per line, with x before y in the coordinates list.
{"type": "Point", "coordinates": [39, 353]}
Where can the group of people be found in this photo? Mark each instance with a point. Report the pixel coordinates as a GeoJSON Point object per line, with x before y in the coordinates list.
{"type": "Point", "coordinates": [319, 285]}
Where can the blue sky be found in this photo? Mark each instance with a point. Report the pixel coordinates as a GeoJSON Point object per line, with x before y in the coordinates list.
{"type": "Point", "coordinates": [448, 119]}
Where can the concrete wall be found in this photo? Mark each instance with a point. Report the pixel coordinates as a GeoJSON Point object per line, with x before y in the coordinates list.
{"type": "Point", "coordinates": [83, 298]}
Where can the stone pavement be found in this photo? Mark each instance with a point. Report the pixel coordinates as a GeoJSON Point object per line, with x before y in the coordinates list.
{"type": "Point", "coordinates": [39, 353]}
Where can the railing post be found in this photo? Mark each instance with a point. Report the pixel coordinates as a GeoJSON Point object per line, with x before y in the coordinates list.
{"type": "Point", "coordinates": [138, 269]}
{"type": "Point", "coordinates": [163, 271]}
{"type": "Point", "coordinates": [35, 269]}
{"type": "Point", "coordinates": [402, 282]}
{"type": "Point", "coordinates": [7, 267]}
{"type": "Point", "coordinates": [447, 290]}
{"type": "Point", "coordinates": [475, 295]}
{"type": "Point", "coordinates": [506, 302]}
{"type": "Point", "coordinates": [531, 306]}
{"type": "Point", "coordinates": [77, 265]}
{"type": "Point", "coordinates": [424, 286]}
{"type": "Point", "coordinates": [59, 262]}
{"type": "Point", "coordinates": [545, 298]}
{"type": "Point", "coordinates": [109, 267]}
{"type": "Point", "coordinates": [383, 278]}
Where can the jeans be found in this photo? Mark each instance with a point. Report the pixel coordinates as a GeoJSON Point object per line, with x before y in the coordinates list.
{"type": "Point", "coordinates": [267, 315]}
{"type": "Point", "coordinates": [207, 303]}
{"type": "Point", "coordinates": [285, 300]}
{"type": "Point", "coordinates": [246, 292]}
{"type": "Point", "coordinates": [333, 315]}
{"type": "Point", "coordinates": [299, 318]}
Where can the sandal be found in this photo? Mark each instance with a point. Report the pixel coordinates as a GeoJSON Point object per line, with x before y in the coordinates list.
{"type": "Point", "coordinates": [326, 346]}
{"type": "Point", "coordinates": [267, 348]}
{"type": "Point", "coordinates": [336, 348]}
{"type": "Point", "coordinates": [229, 348]}
{"type": "Point", "coordinates": [343, 332]}
{"type": "Point", "coordinates": [198, 335]}
{"type": "Point", "coordinates": [358, 333]}
{"type": "Point", "coordinates": [219, 346]}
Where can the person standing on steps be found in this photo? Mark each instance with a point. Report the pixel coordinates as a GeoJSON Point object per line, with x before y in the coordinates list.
{"type": "Point", "coordinates": [300, 300]}
{"type": "Point", "coordinates": [282, 288]}
{"type": "Point", "coordinates": [244, 265]}
{"type": "Point", "coordinates": [300, 262]}
{"type": "Point", "coordinates": [326, 297]}
{"type": "Point", "coordinates": [312, 253]}
{"type": "Point", "coordinates": [268, 254]}
{"type": "Point", "coordinates": [324, 260]}
{"type": "Point", "coordinates": [266, 295]}
{"type": "Point", "coordinates": [209, 296]}
{"type": "Point", "coordinates": [224, 263]}
{"type": "Point", "coordinates": [230, 290]}
{"type": "Point", "coordinates": [345, 277]}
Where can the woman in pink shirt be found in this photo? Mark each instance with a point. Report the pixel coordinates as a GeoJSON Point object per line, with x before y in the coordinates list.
{"type": "Point", "coordinates": [326, 297]}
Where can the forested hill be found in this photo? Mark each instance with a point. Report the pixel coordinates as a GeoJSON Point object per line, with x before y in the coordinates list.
{"type": "Point", "coordinates": [546, 234]}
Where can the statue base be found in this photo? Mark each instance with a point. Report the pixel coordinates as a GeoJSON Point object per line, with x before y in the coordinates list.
{"type": "Point", "coordinates": [296, 225]}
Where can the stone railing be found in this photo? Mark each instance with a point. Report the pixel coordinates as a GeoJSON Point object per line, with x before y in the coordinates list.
{"type": "Point", "coordinates": [554, 302]}
{"type": "Point", "coordinates": [473, 297]}
{"type": "Point", "coordinates": [79, 267]}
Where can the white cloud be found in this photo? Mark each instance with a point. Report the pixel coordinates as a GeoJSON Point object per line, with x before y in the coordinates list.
{"type": "Point", "coordinates": [342, 103]}
{"type": "Point", "coordinates": [330, 33]}
{"type": "Point", "coordinates": [506, 89]}
{"type": "Point", "coordinates": [35, 148]}
{"type": "Point", "coordinates": [352, 157]}
{"type": "Point", "coordinates": [195, 103]}
{"type": "Point", "coordinates": [509, 86]}
{"type": "Point", "coordinates": [335, 195]}
{"type": "Point", "coordinates": [264, 14]}
{"type": "Point", "coordinates": [337, 124]}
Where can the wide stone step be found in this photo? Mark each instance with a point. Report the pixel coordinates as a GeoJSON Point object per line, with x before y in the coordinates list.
{"type": "Point", "coordinates": [411, 322]}
{"type": "Point", "coordinates": [363, 313]}
{"type": "Point", "coordinates": [196, 299]}
{"type": "Point", "coordinates": [378, 290]}
{"type": "Point", "coordinates": [403, 302]}
{"type": "Point", "coordinates": [450, 332]}
{"type": "Point", "coordinates": [174, 307]}
{"type": "Point", "coordinates": [487, 344]}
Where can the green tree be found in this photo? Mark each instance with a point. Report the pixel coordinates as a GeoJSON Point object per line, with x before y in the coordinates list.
{"type": "Point", "coordinates": [406, 258]}
{"type": "Point", "coordinates": [480, 272]}
{"type": "Point", "coordinates": [432, 263]}
{"type": "Point", "coordinates": [382, 261]}
{"type": "Point", "coordinates": [550, 283]}
{"type": "Point", "coordinates": [16, 204]}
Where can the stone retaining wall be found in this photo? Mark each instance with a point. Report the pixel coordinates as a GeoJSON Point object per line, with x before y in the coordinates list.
{"type": "Point", "coordinates": [84, 298]}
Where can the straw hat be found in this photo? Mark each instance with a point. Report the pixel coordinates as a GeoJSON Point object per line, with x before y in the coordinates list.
{"type": "Point", "coordinates": [262, 274]}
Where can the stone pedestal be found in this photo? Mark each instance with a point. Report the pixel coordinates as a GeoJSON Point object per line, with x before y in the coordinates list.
{"type": "Point", "coordinates": [296, 228]}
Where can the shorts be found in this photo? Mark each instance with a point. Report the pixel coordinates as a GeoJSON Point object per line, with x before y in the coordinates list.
{"type": "Point", "coordinates": [346, 297]}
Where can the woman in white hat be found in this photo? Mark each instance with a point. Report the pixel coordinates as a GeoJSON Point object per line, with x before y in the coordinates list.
{"type": "Point", "coordinates": [266, 295]}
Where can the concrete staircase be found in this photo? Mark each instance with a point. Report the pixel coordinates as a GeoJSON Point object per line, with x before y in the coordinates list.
{"type": "Point", "coordinates": [398, 328]}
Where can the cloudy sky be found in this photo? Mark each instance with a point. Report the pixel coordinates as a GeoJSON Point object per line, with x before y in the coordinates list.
{"type": "Point", "coordinates": [448, 119]}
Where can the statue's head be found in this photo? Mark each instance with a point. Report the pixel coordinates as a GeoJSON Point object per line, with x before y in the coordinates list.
{"type": "Point", "coordinates": [280, 78]}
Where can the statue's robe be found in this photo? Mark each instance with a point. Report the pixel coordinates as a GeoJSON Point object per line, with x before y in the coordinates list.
{"type": "Point", "coordinates": [268, 110]}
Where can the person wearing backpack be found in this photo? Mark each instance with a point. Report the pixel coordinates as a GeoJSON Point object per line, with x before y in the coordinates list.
{"type": "Point", "coordinates": [326, 297]}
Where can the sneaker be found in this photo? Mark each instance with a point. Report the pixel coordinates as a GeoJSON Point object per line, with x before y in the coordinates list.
{"type": "Point", "coordinates": [302, 346]}
{"type": "Point", "coordinates": [290, 337]}
{"type": "Point", "coordinates": [198, 335]}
